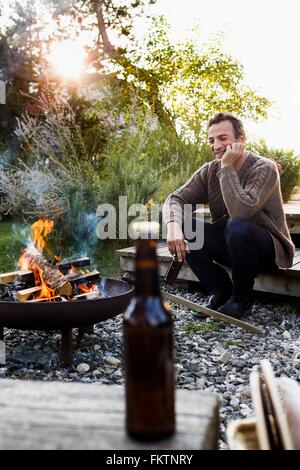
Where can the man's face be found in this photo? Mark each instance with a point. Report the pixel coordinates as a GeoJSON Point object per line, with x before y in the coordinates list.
{"type": "Point", "coordinates": [220, 135]}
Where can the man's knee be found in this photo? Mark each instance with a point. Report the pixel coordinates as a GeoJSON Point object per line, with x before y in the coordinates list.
{"type": "Point", "coordinates": [191, 228]}
{"type": "Point", "coordinates": [236, 229]}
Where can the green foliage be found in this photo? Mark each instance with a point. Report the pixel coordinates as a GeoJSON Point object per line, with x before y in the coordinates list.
{"type": "Point", "coordinates": [12, 242]}
{"type": "Point", "coordinates": [55, 178]}
{"type": "Point", "coordinates": [290, 162]}
{"type": "Point", "coordinates": [190, 157]}
{"type": "Point", "coordinates": [193, 328]}
{"type": "Point", "coordinates": [194, 82]}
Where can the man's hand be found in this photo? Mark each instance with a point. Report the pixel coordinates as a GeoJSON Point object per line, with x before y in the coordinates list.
{"type": "Point", "coordinates": [175, 239]}
{"type": "Point", "coordinates": [233, 154]}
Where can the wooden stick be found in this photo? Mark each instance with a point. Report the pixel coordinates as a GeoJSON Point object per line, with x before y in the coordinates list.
{"type": "Point", "coordinates": [95, 294]}
{"type": "Point", "coordinates": [211, 313]}
{"type": "Point", "coordinates": [64, 266]}
{"type": "Point", "coordinates": [22, 275]}
{"type": "Point", "coordinates": [26, 294]}
{"type": "Point", "coordinates": [80, 278]}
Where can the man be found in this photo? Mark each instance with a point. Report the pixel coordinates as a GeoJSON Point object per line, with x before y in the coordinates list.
{"type": "Point", "coordinates": [248, 232]}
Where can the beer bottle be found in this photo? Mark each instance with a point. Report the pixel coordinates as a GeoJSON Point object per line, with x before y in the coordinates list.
{"type": "Point", "coordinates": [148, 351]}
{"type": "Point", "coordinates": [173, 270]}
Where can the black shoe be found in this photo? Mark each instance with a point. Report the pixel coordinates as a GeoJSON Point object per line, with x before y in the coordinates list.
{"type": "Point", "coordinates": [235, 309]}
{"type": "Point", "coordinates": [215, 301]}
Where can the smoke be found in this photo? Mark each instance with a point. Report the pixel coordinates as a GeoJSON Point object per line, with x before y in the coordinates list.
{"type": "Point", "coordinates": [84, 235]}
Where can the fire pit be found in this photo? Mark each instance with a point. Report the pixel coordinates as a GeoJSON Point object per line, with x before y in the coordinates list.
{"type": "Point", "coordinates": [65, 316]}
{"type": "Point", "coordinates": [58, 296]}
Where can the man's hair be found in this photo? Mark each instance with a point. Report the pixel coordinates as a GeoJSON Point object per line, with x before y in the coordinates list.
{"type": "Point", "coordinates": [237, 124]}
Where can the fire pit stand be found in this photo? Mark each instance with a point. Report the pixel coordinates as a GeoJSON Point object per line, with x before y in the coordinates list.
{"type": "Point", "coordinates": [65, 316]}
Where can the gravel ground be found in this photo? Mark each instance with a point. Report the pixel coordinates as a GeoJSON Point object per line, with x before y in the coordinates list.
{"type": "Point", "coordinates": [209, 355]}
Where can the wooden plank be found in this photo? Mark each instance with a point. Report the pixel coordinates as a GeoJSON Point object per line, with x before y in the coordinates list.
{"type": "Point", "coordinates": [26, 294]}
{"type": "Point", "coordinates": [22, 275]}
{"type": "Point", "coordinates": [286, 282]}
{"type": "Point", "coordinates": [55, 415]}
{"type": "Point", "coordinates": [87, 296]}
{"type": "Point", "coordinates": [83, 278]}
{"type": "Point", "coordinates": [294, 271]}
{"type": "Point", "coordinates": [291, 210]}
{"type": "Point", "coordinates": [212, 313]}
{"type": "Point", "coordinates": [64, 266]}
{"type": "Point", "coordinates": [297, 256]}
{"type": "Point", "coordinates": [293, 225]}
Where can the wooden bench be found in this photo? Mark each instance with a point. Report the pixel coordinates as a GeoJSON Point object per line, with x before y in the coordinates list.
{"type": "Point", "coordinates": [286, 281]}
{"type": "Point", "coordinates": [291, 210]}
{"type": "Point", "coordinates": [76, 416]}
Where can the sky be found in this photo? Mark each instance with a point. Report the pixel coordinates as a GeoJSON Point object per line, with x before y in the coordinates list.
{"type": "Point", "coordinates": [264, 36]}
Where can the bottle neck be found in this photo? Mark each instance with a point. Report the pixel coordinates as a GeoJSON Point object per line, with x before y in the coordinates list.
{"type": "Point", "coordinates": [147, 281]}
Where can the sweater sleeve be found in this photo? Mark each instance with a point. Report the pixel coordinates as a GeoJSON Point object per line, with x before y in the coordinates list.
{"type": "Point", "coordinates": [245, 202]}
{"type": "Point", "coordinates": [193, 192]}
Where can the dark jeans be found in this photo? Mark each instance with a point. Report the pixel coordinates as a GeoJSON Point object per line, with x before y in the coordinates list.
{"type": "Point", "coordinates": [244, 247]}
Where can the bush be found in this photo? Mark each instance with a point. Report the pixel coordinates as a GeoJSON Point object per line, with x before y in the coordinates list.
{"type": "Point", "coordinates": [289, 161]}
{"type": "Point", "coordinates": [54, 177]}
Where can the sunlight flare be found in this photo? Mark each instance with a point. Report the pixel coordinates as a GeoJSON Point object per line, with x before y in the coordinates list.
{"type": "Point", "coordinates": [67, 59]}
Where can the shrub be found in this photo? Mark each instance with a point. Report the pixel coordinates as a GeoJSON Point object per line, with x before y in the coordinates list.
{"type": "Point", "coordinates": [289, 161]}
{"type": "Point", "coordinates": [54, 178]}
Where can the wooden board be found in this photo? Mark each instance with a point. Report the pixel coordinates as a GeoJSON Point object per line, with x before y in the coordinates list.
{"type": "Point", "coordinates": [286, 282]}
{"type": "Point", "coordinates": [76, 416]}
{"type": "Point", "coordinates": [212, 313]}
{"type": "Point", "coordinates": [26, 294]}
{"type": "Point", "coordinates": [279, 413]}
{"type": "Point", "coordinates": [260, 414]}
{"type": "Point", "coordinates": [22, 275]}
{"type": "Point", "coordinates": [291, 210]}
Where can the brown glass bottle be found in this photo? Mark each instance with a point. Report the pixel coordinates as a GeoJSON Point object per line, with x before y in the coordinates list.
{"type": "Point", "coordinates": [173, 270]}
{"type": "Point", "coordinates": [148, 354]}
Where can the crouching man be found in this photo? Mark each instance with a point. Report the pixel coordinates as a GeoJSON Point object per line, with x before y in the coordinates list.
{"type": "Point", "coordinates": [248, 232]}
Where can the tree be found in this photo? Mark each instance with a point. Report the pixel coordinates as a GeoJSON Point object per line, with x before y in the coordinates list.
{"type": "Point", "coordinates": [193, 83]}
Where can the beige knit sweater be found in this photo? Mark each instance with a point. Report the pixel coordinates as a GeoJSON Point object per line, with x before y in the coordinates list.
{"type": "Point", "coordinates": [253, 194]}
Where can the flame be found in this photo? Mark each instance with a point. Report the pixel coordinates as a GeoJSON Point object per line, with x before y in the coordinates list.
{"type": "Point", "coordinates": [39, 231]}
{"type": "Point", "coordinates": [72, 270]}
{"type": "Point", "coordinates": [46, 291]}
{"type": "Point", "coordinates": [85, 288]}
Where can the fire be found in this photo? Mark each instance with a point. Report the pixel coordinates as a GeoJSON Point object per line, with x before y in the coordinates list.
{"type": "Point", "coordinates": [29, 261]}
{"type": "Point", "coordinates": [39, 231]}
{"type": "Point", "coordinates": [85, 288]}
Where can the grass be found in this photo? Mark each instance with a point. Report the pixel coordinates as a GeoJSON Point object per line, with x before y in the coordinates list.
{"type": "Point", "coordinates": [238, 343]}
{"type": "Point", "coordinates": [192, 328]}
{"type": "Point", "coordinates": [12, 237]}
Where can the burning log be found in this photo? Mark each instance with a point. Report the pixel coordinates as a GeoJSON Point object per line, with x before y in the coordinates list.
{"type": "Point", "coordinates": [22, 275]}
{"type": "Point", "coordinates": [87, 296]}
{"type": "Point", "coordinates": [80, 278]}
{"type": "Point", "coordinates": [53, 277]}
{"type": "Point", "coordinates": [26, 294]}
{"type": "Point", "coordinates": [65, 266]}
